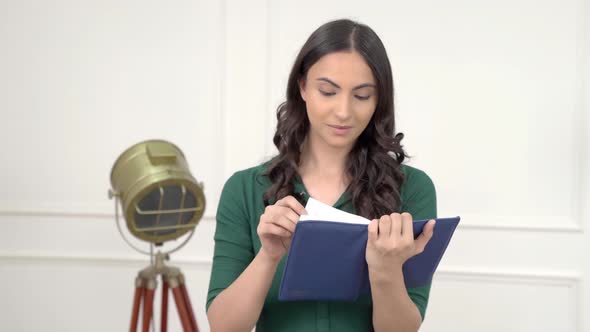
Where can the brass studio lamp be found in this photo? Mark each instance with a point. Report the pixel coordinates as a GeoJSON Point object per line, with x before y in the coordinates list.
{"type": "Point", "coordinates": [161, 201]}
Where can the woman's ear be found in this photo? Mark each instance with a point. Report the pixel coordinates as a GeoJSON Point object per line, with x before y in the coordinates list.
{"type": "Point", "coordinates": [302, 89]}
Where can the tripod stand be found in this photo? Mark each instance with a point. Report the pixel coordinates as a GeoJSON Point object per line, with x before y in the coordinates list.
{"type": "Point", "coordinates": [145, 287]}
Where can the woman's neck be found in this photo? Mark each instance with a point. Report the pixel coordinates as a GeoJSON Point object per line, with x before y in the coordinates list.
{"type": "Point", "coordinates": [322, 160]}
{"type": "Point", "coordinates": [323, 171]}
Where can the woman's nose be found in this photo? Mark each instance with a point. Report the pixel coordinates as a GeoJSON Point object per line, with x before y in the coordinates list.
{"type": "Point", "coordinates": [344, 108]}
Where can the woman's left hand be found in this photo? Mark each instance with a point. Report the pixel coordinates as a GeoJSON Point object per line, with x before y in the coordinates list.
{"type": "Point", "coordinates": [391, 242]}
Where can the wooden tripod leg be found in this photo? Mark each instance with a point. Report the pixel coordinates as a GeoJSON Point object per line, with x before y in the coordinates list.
{"type": "Point", "coordinates": [148, 308]}
{"type": "Point", "coordinates": [182, 309]}
{"type": "Point", "coordinates": [164, 324]}
{"type": "Point", "coordinates": [139, 292]}
{"type": "Point", "coordinates": [189, 306]}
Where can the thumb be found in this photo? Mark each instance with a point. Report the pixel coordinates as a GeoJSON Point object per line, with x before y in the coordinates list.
{"type": "Point", "coordinates": [373, 229]}
{"type": "Point", "coordinates": [422, 239]}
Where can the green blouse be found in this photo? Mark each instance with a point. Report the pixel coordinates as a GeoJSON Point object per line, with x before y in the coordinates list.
{"type": "Point", "coordinates": [237, 243]}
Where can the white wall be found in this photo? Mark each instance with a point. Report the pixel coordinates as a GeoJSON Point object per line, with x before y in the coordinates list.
{"type": "Point", "coordinates": [492, 96]}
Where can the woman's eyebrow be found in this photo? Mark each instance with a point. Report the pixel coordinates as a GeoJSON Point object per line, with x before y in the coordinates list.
{"type": "Point", "coordinates": [364, 85]}
{"type": "Point", "coordinates": [324, 79]}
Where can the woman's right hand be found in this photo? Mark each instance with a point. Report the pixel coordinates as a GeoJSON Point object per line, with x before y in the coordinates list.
{"type": "Point", "coordinates": [277, 225]}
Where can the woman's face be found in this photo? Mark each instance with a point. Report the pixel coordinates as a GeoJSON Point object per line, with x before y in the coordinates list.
{"type": "Point", "coordinates": [340, 94]}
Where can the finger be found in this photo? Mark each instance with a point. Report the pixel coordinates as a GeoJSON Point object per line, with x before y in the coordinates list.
{"type": "Point", "coordinates": [286, 242]}
{"type": "Point", "coordinates": [396, 224]}
{"type": "Point", "coordinates": [425, 236]}
{"type": "Point", "coordinates": [271, 217]}
{"type": "Point", "coordinates": [373, 229]}
{"type": "Point", "coordinates": [407, 228]}
{"type": "Point", "coordinates": [384, 226]}
{"type": "Point", "coordinates": [284, 222]}
{"type": "Point", "coordinates": [291, 215]}
{"type": "Point", "coordinates": [290, 201]}
{"type": "Point", "coordinates": [276, 230]}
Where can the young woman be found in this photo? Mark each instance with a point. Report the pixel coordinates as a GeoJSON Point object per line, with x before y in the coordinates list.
{"type": "Point", "coordinates": [337, 143]}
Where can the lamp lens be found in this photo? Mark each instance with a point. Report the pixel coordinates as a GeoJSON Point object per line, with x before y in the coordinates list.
{"type": "Point", "coordinates": [161, 201]}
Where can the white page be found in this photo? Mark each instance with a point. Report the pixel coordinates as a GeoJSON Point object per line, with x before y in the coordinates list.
{"type": "Point", "coordinates": [319, 211]}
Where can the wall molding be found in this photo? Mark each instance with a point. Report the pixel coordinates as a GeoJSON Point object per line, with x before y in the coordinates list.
{"type": "Point", "coordinates": [510, 276]}
{"type": "Point", "coordinates": [544, 278]}
{"type": "Point", "coordinates": [56, 213]}
{"type": "Point", "coordinates": [37, 257]}
{"type": "Point", "coordinates": [458, 273]}
{"type": "Point", "coordinates": [561, 224]}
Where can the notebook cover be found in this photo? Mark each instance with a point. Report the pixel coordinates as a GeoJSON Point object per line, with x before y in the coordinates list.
{"type": "Point", "coordinates": [326, 260]}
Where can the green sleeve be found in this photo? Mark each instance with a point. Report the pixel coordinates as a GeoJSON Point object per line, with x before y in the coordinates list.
{"type": "Point", "coordinates": [233, 242]}
{"type": "Point", "coordinates": [419, 199]}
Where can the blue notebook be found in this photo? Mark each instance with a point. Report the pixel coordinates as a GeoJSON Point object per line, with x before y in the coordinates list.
{"type": "Point", "coordinates": [326, 260]}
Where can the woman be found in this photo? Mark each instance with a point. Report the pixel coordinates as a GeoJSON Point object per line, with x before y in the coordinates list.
{"type": "Point", "coordinates": [336, 142]}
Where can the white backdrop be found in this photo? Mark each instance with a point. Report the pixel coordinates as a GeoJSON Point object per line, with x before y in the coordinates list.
{"type": "Point", "coordinates": [492, 96]}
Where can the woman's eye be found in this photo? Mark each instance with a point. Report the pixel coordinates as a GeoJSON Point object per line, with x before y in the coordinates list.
{"type": "Point", "coordinates": [327, 94]}
{"type": "Point", "coordinates": [362, 97]}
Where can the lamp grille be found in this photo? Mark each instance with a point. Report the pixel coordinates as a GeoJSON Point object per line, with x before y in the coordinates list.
{"type": "Point", "coordinates": [167, 208]}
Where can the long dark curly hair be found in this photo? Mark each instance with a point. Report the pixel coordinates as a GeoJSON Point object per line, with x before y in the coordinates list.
{"type": "Point", "coordinates": [373, 164]}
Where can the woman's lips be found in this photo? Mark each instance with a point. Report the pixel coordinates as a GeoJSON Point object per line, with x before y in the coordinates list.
{"type": "Point", "coordinates": [340, 130]}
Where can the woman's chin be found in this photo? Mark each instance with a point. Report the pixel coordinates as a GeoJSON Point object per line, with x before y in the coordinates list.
{"type": "Point", "coordinates": [340, 143]}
